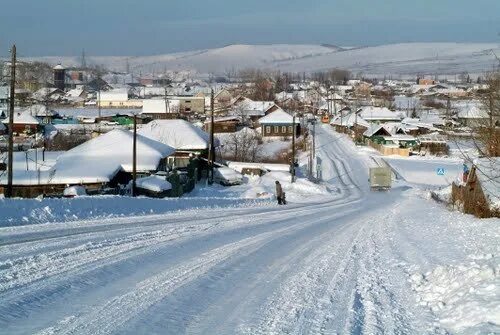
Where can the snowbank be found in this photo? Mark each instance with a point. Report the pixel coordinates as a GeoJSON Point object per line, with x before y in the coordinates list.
{"type": "Point", "coordinates": [16, 212]}
{"type": "Point", "coordinates": [264, 187]}
{"type": "Point", "coordinates": [442, 194]}
{"type": "Point", "coordinates": [465, 297]}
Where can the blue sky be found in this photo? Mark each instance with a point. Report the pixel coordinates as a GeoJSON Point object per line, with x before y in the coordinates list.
{"type": "Point", "coordinates": [145, 27]}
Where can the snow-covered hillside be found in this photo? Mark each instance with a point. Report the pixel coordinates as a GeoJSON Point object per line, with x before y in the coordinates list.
{"type": "Point", "coordinates": [395, 59]}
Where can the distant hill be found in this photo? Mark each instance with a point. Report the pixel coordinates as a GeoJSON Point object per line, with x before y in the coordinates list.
{"type": "Point", "coordinates": [392, 59]}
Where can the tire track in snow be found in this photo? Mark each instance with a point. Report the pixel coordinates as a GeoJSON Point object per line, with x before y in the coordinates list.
{"type": "Point", "coordinates": [24, 270]}
{"type": "Point", "coordinates": [302, 298]}
{"type": "Point", "coordinates": [114, 313]}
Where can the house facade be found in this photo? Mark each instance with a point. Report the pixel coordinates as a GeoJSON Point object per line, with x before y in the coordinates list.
{"type": "Point", "coordinates": [279, 123]}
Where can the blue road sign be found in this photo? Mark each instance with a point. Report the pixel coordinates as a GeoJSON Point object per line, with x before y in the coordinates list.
{"type": "Point", "coordinates": [440, 171]}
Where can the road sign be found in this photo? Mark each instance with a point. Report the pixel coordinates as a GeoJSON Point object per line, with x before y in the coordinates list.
{"type": "Point", "coordinates": [440, 171]}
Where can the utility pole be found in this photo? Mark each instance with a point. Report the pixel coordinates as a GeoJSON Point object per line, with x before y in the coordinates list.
{"type": "Point", "coordinates": [328, 102]}
{"type": "Point", "coordinates": [167, 107]}
{"type": "Point", "coordinates": [99, 92]}
{"type": "Point", "coordinates": [211, 152]}
{"type": "Point", "coordinates": [314, 139]}
{"type": "Point", "coordinates": [334, 102]}
{"type": "Point", "coordinates": [134, 157]}
{"type": "Point", "coordinates": [292, 163]}
{"type": "Point", "coordinates": [312, 150]}
{"type": "Point", "coordinates": [10, 171]}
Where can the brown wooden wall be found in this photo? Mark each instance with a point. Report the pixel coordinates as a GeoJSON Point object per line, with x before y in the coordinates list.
{"type": "Point", "coordinates": [279, 130]}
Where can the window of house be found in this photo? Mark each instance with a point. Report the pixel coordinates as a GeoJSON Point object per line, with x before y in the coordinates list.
{"type": "Point", "coordinates": [276, 129]}
{"type": "Point", "coordinates": [268, 129]}
{"type": "Point", "coordinates": [290, 129]}
{"type": "Point", "coordinates": [283, 129]}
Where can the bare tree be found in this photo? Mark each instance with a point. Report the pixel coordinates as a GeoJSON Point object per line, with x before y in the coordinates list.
{"type": "Point", "coordinates": [487, 131]}
{"type": "Point", "coordinates": [243, 146]}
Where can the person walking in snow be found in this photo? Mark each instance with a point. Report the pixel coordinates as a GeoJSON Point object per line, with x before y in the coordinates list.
{"type": "Point", "coordinates": [280, 195]}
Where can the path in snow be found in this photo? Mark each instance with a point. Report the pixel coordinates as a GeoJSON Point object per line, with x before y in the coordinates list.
{"type": "Point", "coordinates": [341, 265]}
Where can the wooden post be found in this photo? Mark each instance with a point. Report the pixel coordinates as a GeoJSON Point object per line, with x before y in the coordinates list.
{"type": "Point", "coordinates": [10, 171]}
{"type": "Point", "coordinates": [134, 158]}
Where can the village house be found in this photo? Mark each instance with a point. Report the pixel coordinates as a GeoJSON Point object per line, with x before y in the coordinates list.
{"type": "Point", "coordinates": [47, 94]}
{"type": "Point", "coordinates": [188, 140]}
{"type": "Point", "coordinates": [76, 96]}
{"type": "Point", "coordinates": [379, 114]}
{"type": "Point", "coordinates": [104, 161]}
{"type": "Point", "coordinates": [472, 115]}
{"type": "Point", "coordinates": [279, 123]}
{"type": "Point", "coordinates": [190, 104]}
{"type": "Point", "coordinates": [224, 124]}
{"type": "Point", "coordinates": [42, 113]}
{"type": "Point", "coordinates": [222, 98]}
{"type": "Point", "coordinates": [117, 98]}
{"type": "Point", "coordinates": [24, 123]}
{"type": "Point", "coordinates": [160, 108]}
{"type": "Point", "coordinates": [248, 109]}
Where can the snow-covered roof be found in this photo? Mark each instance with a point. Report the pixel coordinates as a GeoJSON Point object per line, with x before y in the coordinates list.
{"type": "Point", "coordinates": [413, 123]}
{"type": "Point", "coordinates": [399, 137]}
{"type": "Point", "coordinates": [178, 134]}
{"type": "Point", "coordinates": [23, 117]}
{"type": "Point", "coordinates": [432, 138]}
{"type": "Point", "coordinates": [45, 92]}
{"type": "Point", "coordinates": [99, 159]}
{"type": "Point", "coordinates": [40, 110]}
{"type": "Point", "coordinates": [119, 94]}
{"type": "Point", "coordinates": [76, 92]}
{"type": "Point", "coordinates": [279, 116]}
{"type": "Point", "coordinates": [472, 112]}
{"type": "Point", "coordinates": [349, 119]}
{"type": "Point", "coordinates": [379, 113]}
{"type": "Point", "coordinates": [250, 107]}
{"type": "Point", "coordinates": [373, 128]}
{"type": "Point", "coordinates": [159, 106]}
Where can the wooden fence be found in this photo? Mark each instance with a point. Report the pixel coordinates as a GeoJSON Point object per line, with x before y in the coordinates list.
{"type": "Point", "coordinates": [385, 150]}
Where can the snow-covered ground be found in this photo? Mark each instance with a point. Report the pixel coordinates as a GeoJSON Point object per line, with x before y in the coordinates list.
{"type": "Point", "coordinates": [338, 259]}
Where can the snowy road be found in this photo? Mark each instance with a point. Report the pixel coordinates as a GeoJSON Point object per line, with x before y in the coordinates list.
{"type": "Point", "coordinates": [340, 265]}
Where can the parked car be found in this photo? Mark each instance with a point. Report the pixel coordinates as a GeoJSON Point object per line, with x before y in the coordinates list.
{"type": "Point", "coordinates": [227, 177]}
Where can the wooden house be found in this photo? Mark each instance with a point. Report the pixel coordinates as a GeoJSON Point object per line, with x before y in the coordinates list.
{"type": "Point", "coordinates": [279, 123]}
{"type": "Point", "coordinates": [227, 124]}
{"type": "Point", "coordinates": [24, 123]}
